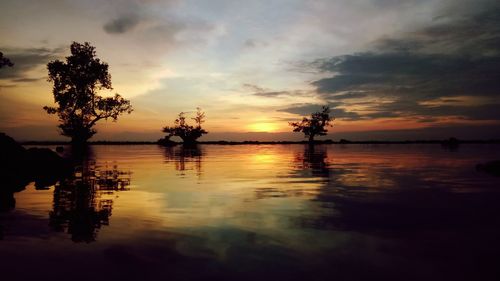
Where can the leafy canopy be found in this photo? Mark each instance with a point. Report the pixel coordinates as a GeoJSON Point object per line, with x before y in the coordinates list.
{"type": "Point", "coordinates": [315, 125]}
{"type": "Point", "coordinates": [76, 83]}
{"type": "Point", "coordinates": [188, 133]}
{"type": "Point", "coordinates": [5, 61]}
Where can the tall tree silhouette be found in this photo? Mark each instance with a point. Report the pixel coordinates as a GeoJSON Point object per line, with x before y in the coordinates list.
{"type": "Point", "coordinates": [76, 83]}
{"type": "Point", "coordinates": [5, 61]}
{"type": "Point", "coordinates": [315, 125]}
{"type": "Point", "coordinates": [189, 134]}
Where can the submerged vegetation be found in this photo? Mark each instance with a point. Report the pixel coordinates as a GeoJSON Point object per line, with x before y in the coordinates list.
{"type": "Point", "coordinates": [188, 133]}
{"type": "Point", "coordinates": [315, 125]}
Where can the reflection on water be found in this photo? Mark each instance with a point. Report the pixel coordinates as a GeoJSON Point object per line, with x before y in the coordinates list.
{"type": "Point", "coordinates": [314, 159]}
{"type": "Point", "coordinates": [185, 158]}
{"type": "Point", "coordinates": [267, 212]}
{"type": "Point", "coordinates": [83, 203]}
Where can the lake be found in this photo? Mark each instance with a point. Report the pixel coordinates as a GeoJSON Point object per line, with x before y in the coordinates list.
{"type": "Point", "coordinates": [261, 212]}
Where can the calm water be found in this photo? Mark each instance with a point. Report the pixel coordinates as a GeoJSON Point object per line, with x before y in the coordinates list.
{"type": "Point", "coordinates": [268, 212]}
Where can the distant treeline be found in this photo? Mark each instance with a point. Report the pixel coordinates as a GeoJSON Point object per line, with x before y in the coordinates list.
{"type": "Point", "coordinates": [343, 141]}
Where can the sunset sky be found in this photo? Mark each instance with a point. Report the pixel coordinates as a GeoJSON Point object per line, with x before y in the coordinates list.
{"type": "Point", "coordinates": [414, 69]}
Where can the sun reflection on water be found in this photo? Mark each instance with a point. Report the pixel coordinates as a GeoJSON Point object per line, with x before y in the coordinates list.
{"type": "Point", "coordinates": [255, 204]}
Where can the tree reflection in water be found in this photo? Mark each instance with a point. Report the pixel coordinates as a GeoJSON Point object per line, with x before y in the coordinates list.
{"type": "Point", "coordinates": [313, 159]}
{"type": "Point", "coordinates": [185, 158]}
{"type": "Point", "coordinates": [83, 202]}
{"type": "Point", "coordinates": [309, 165]}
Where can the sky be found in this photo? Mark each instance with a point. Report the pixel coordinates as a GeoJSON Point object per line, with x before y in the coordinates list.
{"type": "Point", "coordinates": [389, 69]}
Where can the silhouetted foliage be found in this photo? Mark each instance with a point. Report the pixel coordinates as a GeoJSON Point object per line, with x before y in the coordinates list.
{"type": "Point", "coordinates": [76, 83]}
{"type": "Point", "coordinates": [189, 134]}
{"type": "Point", "coordinates": [315, 125]}
{"type": "Point", "coordinates": [5, 61]}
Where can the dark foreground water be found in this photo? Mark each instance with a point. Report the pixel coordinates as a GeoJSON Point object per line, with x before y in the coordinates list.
{"type": "Point", "coordinates": [268, 212]}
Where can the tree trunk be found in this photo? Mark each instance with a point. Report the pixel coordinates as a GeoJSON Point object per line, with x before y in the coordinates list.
{"type": "Point", "coordinates": [78, 141]}
{"type": "Point", "coordinates": [188, 141]}
{"type": "Point", "coordinates": [311, 139]}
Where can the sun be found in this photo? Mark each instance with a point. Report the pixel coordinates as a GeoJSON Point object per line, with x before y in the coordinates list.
{"type": "Point", "coordinates": [262, 127]}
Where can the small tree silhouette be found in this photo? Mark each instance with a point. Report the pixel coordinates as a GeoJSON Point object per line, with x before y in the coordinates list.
{"type": "Point", "coordinates": [5, 61]}
{"type": "Point", "coordinates": [315, 125]}
{"type": "Point", "coordinates": [189, 134]}
{"type": "Point", "coordinates": [76, 82]}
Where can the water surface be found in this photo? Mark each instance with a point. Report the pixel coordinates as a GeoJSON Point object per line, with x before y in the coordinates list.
{"type": "Point", "coordinates": [261, 212]}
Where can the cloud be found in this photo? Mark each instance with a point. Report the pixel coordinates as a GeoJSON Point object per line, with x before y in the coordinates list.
{"type": "Point", "coordinates": [157, 23]}
{"type": "Point", "coordinates": [462, 28]}
{"type": "Point", "coordinates": [273, 94]}
{"type": "Point", "coordinates": [266, 93]}
{"type": "Point", "coordinates": [413, 74]}
{"type": "Point", "coordinates": [253, 87]}
{"type": "Point", "coordinates": [457, 54]}
{"type": "Point", "coordinates": [305, 109]}
{"type": "Point", "coordinates": [254, 43]}
{"type": "Point", "coordinates": [413, 110]}
{"type": "Point", "coordinates": [27, 80]}
{"type": "Point", "coordinates": [349, 95]}
{"type": "Point", "coordinates": [26, 60]}
{"type": "Point", "coordinates": [121, 24]}
{"type": "Point", "coordinates": [250, 43]}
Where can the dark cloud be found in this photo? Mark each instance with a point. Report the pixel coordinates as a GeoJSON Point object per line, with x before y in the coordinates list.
{"type": "Point", "coordinates": [8, 86]}
{"type": "Point", "coordinates": [26, 80]}
{"type": "Point", "coordinates": [253, 87]}
{"type": "Point", "coordinates": [130, 13]}
{"type": "Point", "coordinates": [305, 109]}
{"type": "Point", "coordinates": [345, 82]}
{"type": "Point", "coordinates": [427, 120]}
{"type": "Point", "coordinates": [254, 43]}
{"type": "Point", "coordinates": [411, 109]}
{"type": "Point", "coordinates": [461, 28]}
{"type": "Point", "coordinates": [272, 94]}
{"type": "Point", "coordinates": [455, 55]}
{"type": "Point", "coordinates": [25, 60]}
{"type": "Point", "coordinates": [427, 76]}
{"type": "Point", "coordinates": [121, 24]}
{"type": "Point", "coordinates": [262, 92]}
{"type": "Point", "coordinates": [349, 95]}
{"type": "Point", "coordinates": [250, 43]}
{"type": "Point", "coordinates": [163, 29]}
{"type": "Point", "coordinates": [395, 3]}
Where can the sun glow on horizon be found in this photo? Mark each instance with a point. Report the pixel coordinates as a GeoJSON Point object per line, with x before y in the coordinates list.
{"type": "Point", "coordinates": [263, 127]}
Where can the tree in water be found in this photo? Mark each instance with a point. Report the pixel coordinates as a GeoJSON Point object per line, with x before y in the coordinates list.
{"type": "Point", "coordinates": [5, 61]}
{"type": "Point", "coordinates": [315, 125]}
{"type": "Point", "coordinates": [76, 83]}
{"type": "Point", "coordinates": [189, 134]}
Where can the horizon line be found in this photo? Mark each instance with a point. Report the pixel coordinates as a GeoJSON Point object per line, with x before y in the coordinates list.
{"type": "Point", "coordinates": [450, 140]}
